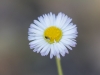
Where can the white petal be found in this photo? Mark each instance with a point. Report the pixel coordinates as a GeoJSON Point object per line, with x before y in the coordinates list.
{"type": "Point", "coordinates": [35, 50]}
{"type": "Point", "coordinates": [58, 56]}
{"type": "Point", "coordinates": [64, 20]}
{"type": "Point", "coordinates": [69, 42]}
{"type": "Point", "coordinates": [51, 55]}
{"type": "Point", "coordinates": [36, 41]}
{"type": "Point", "coordinates": [41, 19]}
{"type": "Point", "coordinates": [71, 29]}
{"type": "Point", "coordinates": [52, 18]}
{"type": "Point", "coordinates": [36, 31]}
{"type": "Point", "coordinates": [66, 44]}
{"type": "Point", "coordinates": [47, 51]}
{"type": "Point", "coordinates": [65, 49]}
{"type": "Point", "coordinates": [67, 23]}
{"type": "Point", "coordinates": [39, 24]}
{"type": "Point", "coordinates": [70, 32]}
{"type": "Point", "coordinates": [34, 38]}
{"type": "Point", "coordinates": [33, 26]}
{"type": "Point", "coordinates": [62, 49]}
{"type": "Point", "coordinates": [53, 52]}
{"type": "Point", "coordinates": [58, 19]}
{"type": "Point", "coordinates": [70, 36]}
{"type": "Point", "coordinates": [45, 48]}
{"type": "Point", "coordinates": [41, 47]}
{"type": "Point", "coordinates": [56, 49]}
{"type": "Point", "coordinates": [31, 46]}
{"type": "Point", "coordinates": [46, 20]}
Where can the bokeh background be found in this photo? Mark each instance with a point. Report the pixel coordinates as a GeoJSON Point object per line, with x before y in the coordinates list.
{"type": "Point", "coordinates": [17, 59]}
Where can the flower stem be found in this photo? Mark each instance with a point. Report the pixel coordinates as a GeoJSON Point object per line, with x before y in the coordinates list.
{"type": "Point", "coordinates": [59, 66]}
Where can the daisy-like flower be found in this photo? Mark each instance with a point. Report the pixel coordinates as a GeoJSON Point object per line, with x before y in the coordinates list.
{"type": "Point", "coordinates": [52, 34]}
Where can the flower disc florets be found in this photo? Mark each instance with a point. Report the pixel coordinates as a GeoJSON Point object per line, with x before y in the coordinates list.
{"type": "Point", "coordinates": [52, 34]}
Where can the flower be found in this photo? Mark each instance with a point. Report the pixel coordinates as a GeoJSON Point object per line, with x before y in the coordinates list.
{"type": "Point", "coordinates": [52, 34]}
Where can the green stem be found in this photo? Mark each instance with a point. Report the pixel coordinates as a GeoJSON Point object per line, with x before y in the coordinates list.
{"type": "Point", "coordinates": [59, 66]}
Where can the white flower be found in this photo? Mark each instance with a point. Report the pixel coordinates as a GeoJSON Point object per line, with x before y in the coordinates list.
{"type": "Point", "coordinates": [54, 34]}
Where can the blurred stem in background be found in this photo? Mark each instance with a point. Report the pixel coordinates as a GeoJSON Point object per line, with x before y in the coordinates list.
{"type": "Point", "coordinates": [59, 66]}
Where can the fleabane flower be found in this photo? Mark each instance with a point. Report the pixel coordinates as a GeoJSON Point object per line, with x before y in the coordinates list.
{"type": "Point", "coordinates": [52, 34]}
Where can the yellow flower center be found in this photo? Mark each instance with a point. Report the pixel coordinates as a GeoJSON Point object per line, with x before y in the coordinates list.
{"type": "Point", "coordinates": [52, 34]}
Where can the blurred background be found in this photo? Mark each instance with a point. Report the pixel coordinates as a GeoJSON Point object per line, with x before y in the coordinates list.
{"type": "Point", "coordinates": [16, 58]}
